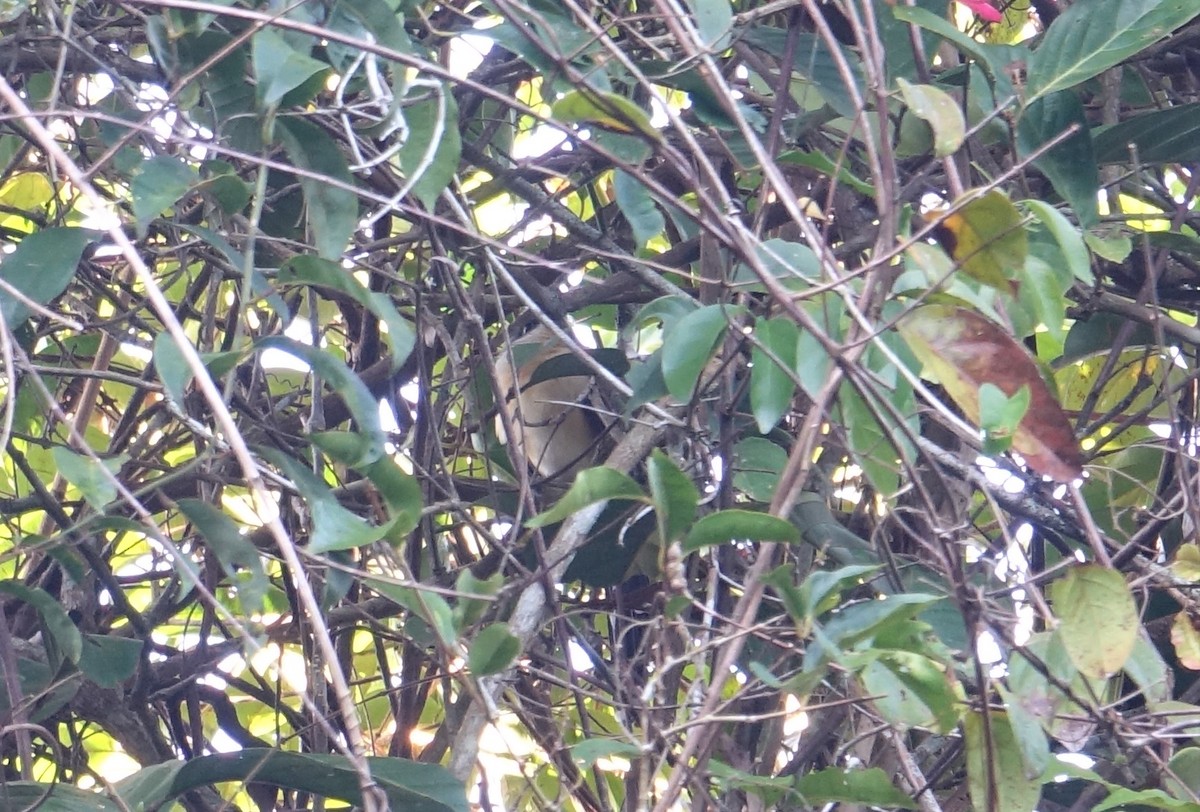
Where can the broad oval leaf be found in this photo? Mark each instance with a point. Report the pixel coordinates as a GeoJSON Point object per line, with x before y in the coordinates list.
{"type": "Point", "coordinates": [589, 106]}
{"type": "Point", "coordinates": [771, 379]}
{"type": "Point", "coordinates": [689, 344]}
{"type": "Point", "coordinates": [986, 238]}
{"type": "Point", "coordinates": [1097, 617]}
{"type": "Point", "coordinates": [939, 109]}
{"type": "Point", "coordinates": [1089, 38]}
{"type": "Point", "coordinates": [590, 486]}
{"type": "Point", "coordinates": [738, 525]}
{"type": "Point", "coordinates": [996, 762]}
{"type": "Point", "coordinates": [331, 208]}
{"type": "Point", "coordinates": [965, 350]}
{"type": "Point", "coordinates": [493, 650]}
{"type": "Point", "coordinates": [40, 268]}
{"type": "Point", "coordinates": [235, 552]}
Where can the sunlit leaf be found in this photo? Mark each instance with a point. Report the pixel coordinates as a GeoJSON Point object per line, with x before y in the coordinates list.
{"type": "Point", "coordinates": [673, 495]}
{"type": "Point", "coordinates": [773, 357]}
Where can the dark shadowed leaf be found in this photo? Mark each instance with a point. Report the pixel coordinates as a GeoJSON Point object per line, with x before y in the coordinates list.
{"type": "Point", "coordinates": [493, 650]}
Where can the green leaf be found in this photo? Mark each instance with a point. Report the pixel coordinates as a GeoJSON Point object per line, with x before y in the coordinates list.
{"type": "Point", "coordinates": [1098, 618]}
{"type": "Point", "coordinates": [608, 110]}
{"type": "Point", "coordinates": [757, 466]}
{"type": "Point", "coordinates": [590, 486]}
{"type": "Point", "coordinates": [108, 660]}
{"type": "Point", "coordinates": [54, 617]}
{"type": "Point", "coordinates": [771, 385]}
{"type": "Point", "coordinates": [92, 477]}
{"type": "Point", "coordinates": [673, 495]}
{"type": "Point", "coordinates": [402, 493]}
{"type": "Point", "coordinates": [172, 367]}
{"type": "Point", "coordinates": [333, 526]}
{"type": "Point", "coordinates": [330, 205]}
{"type": "Point", "coordinates": [279, 67]}
{"type": "Point", "coordinates": [1070, 165]}
{"type": "Point", "coordinates": [159, 183]}
{"type": "Point", "coordinates": [40, 268]}
{"type": "Point", "coordinates": [995, 762]}
{"type": "Point", "coordinates": [941, 111]}
{"type": "Point", "coordinates": [310, 270]}
{"type": "Point", "coordinates": [689, 344]}
{"type": "Point", "coordinates": [739, 525]}
{"type": "Point", "coordinates": [1029, 735]}
{"type": "Point", "coordinates": [363, 405]}
{"type": "Point", "coordinates": [589, 751]}
{"type": "Point", "coordinates": [871, 787]}
{"type": "Point", "coordinates": [813, 63]}
{"type": "Point", "coordinates": [635, 202]}
{"type": "Point", "coordinates": [1089, 38]}
{"type": "Point", "coordinates": [236, 554]}
{"type": "Point", "coordinates": [431, 153]}
{"type": "Point", "coordinates": [494, 649]}
{"type": "Point", "coordinates": [409, 785]}
{"type": "Point", "coordinates": [714, 21]}
{"type": "Point", "coordinates": [1000, 415]}
{"type": "Point", "coordinates": [1070, 240]}
{"type": "Point", "coordinates": [911, 690]}
{"type": "Point", "coordinates": [57, 797]}
{"type": "Point", "coordinates": [428, 606]}
{"type": "Point", "coordinates": [1162, 136]}
{"type": "Point", "coordinates": [1149, 671]}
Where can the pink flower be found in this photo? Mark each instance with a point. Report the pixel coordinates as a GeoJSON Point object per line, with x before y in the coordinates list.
{"type": "Point", "coordinates": [983, 10]}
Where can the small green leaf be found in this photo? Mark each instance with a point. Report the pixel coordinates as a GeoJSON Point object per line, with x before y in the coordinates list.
{"type": "Point", "coordinates": [689, 344]}
{"type": "Point", "coordinates": [59, 625]}
{"type": "Point", "coordinates": [942, 113]}
{"type": "Point", "coordinates": [92, 477]}
{"type": "Point", "coordinates": [172, 367]}
{"type": "Point", "coordinates": [363, 405]}
{"type": "Point", "coordinates": [635, 202]}
{"type": "Point", "coordinates": [494, 649]}
{"type": "Point", "coordinates": [871, 787]}
{"type": "Point", "coordinates": [673, 495]}
{"type": "Point", "coordinates": [307, 269]}
{"type": "Point", "coordinates": [279, 67]}
{"type": "Point", "coordinates": [589, 751]}
{"type": "Point", "coordinates": [590, 486]}
{"type": "Point", "coordinates": [159, 183]}
{"type": "Point", "coordinates": [236, 554]}
{"type": "Point", "coordinates": [1070, 240]}
{"type": "Point", "coordinates": [1000, 415]}
{"type": "Point", "coordinates": [771, 385]}
{"type": "Point", "coordinates": [714, 20]}
{"type": "Point", "coordinates": [108, 660]}
{"type": "Point", "coordinates": [1097, 617]}
{"type": "Point", "coordinates": [430, 156]}
{"type": "Point", "coordinates": [757, 466]}
{"type": "Point", "coordinates": [40, 268]}
{"type": "Point", "coordinates": [911, 690]}
{"type": "Point", "coordinates": [429, 606]}
{"type": "Point", "coordinates": [331, 207]}
{"type": "Point", "coordinates": [588, 106]}
{"type": "Point", "coordinates": [739, 525]}
{"type": "Point", "coordinates": [333, 526]}
{"type": "Point", "coordinates": [996, 763]}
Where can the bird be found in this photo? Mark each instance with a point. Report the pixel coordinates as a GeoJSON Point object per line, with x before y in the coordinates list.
{"type": "Point", "coordinates": [559, 430]}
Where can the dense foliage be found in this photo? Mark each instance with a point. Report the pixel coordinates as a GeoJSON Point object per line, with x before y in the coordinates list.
{"type": "Point", "coordinates": [881, 317]}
